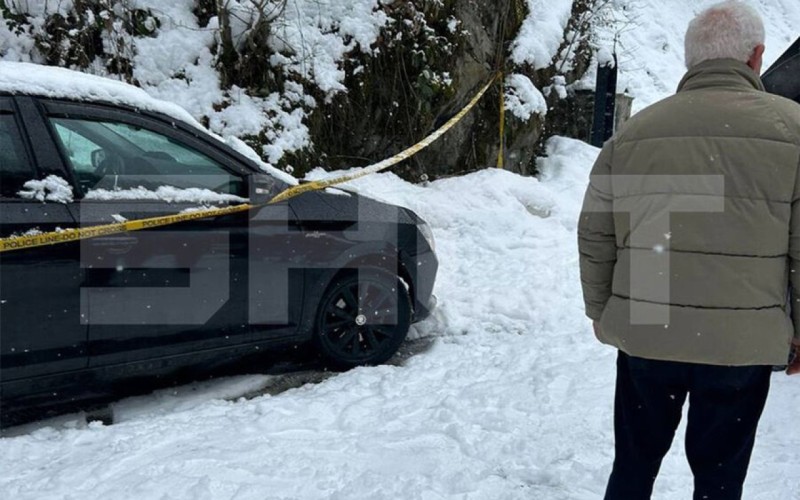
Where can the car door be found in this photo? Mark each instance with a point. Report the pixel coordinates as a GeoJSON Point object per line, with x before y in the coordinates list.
{"type": "Point", "coordinates": [162, 291]}
{"type": "Point", "coordinates": [41, 331]}
{"type": "Point", "coordinates": [783, 77]}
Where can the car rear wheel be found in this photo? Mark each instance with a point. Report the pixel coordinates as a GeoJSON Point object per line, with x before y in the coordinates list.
{"type": "Point", "coordinates": [363, 318]}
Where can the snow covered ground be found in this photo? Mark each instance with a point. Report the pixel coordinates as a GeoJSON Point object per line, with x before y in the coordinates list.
{"type": "Point", "coordinates": [512, 400]}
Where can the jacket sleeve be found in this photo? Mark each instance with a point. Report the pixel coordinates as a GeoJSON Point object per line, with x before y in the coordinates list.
{"type": "Point", "coordinates": [596, 237]}
{"type": "Point", "coordinates": [794, 257]}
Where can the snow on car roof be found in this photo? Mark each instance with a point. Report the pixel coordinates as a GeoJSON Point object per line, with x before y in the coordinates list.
{"type": "Point", "coordinates": [48, 81]}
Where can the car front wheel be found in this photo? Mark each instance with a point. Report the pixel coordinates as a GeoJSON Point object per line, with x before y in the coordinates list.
{"type": "Point", "coordinates": [363, 318]}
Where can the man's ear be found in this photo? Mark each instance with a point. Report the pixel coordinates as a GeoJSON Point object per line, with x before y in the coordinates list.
{"type": "Point", "coordinates": [756, 58]}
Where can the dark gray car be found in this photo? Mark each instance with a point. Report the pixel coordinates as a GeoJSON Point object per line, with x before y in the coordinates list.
{"type": "Point", "coordinates": [342, 271]}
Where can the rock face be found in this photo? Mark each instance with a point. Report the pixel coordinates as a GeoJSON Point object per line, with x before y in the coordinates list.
{"type": "Point", "coordinates": [427, 71]}
{"type": "Point", "coordinates": [429, 59]}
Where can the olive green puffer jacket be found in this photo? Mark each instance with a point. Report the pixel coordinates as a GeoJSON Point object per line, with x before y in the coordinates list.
{"type": "Point", "coordinates": [690, 232]}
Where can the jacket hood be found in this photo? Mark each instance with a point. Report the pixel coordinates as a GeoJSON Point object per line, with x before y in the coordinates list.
{"type": "Point", "coordinates": [721, 73]}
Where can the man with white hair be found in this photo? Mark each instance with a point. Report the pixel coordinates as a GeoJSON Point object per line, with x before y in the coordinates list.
{"type": "Point", "coordinates": [689, 245]}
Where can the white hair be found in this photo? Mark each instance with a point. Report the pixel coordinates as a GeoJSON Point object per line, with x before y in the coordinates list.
{"type": "Point", "coordinates": [729, 29]}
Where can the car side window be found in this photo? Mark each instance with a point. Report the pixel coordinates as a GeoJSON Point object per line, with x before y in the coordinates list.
{"type": "Point", "coordinates": [15, 167]}
{"type": "Point", "coordinates": [163, 147]}
{"type": "Point", "coordinates": [111, 155]}
{"type": "Point", "coordinates": [78, 149]}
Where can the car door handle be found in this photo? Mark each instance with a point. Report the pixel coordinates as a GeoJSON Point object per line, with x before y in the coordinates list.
{"type": "Point", "coordinates": [116, 245]}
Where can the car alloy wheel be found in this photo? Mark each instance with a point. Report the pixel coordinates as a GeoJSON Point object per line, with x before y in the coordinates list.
{"type": "Point", "coordinates": [363, 318]}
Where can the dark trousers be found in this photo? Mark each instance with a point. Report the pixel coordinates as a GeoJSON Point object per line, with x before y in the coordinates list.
{"type": "Point", "coordinates": [725, 404]}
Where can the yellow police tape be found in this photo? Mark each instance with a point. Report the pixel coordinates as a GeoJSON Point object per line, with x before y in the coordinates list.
{"type": "Point", "coordinates": [389, 162]}
{"type": "Point", "coordinates": [501, 153]}
{"type": "Point", "coordinates": [68, 235]}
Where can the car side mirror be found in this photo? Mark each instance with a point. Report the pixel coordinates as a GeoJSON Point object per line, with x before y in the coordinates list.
{"type": "Point", "coordinates": [261, 188]}
{"type": "Point", "coordinates": [98, 155]}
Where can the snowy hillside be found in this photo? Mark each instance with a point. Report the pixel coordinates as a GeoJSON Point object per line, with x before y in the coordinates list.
{"type": "Point", "coordinates": [176, 61]}
{"type": "Point", "coordinates": [513, 400]}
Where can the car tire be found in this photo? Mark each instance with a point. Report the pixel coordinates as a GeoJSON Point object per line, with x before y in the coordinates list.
{"type": "Point", "coordinates": [363, 318]}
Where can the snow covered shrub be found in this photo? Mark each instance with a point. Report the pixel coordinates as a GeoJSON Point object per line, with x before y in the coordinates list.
{"type": "Point", "coordinates": [558, 64]}
{"type": "Point", "coordinates": [243, 39]}
{"type": "Point", "coordinates": [95, 35]}
{"type": "Point", "coordinates": [406, 83]}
